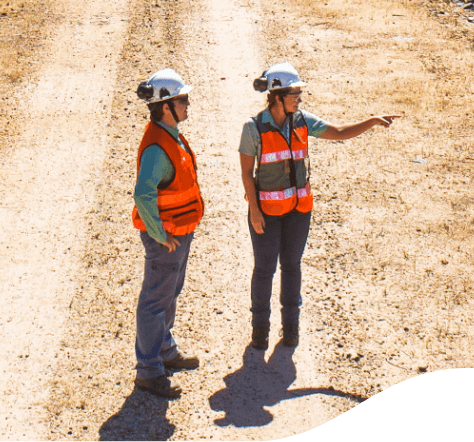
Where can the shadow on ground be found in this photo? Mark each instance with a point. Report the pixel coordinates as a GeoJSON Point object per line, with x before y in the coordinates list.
{"type": "Point", "coordinates": [258, 384]}
{"type": "Point", "coordinates": [142, 417]}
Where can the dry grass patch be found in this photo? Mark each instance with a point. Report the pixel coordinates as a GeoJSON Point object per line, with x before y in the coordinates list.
{"type": "Point", "coordinates": [24, 28]}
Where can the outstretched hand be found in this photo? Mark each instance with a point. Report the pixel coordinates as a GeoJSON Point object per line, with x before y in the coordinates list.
{"type": "Point", "coordinates": [385, 120]}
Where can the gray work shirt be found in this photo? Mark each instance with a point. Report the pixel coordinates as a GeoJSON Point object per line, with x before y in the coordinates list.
{"type": "Point", "coordinates": [251, 144]}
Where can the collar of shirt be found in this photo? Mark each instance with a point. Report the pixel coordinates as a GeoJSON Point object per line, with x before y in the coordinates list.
{"type": "Point", "coordinates": [267, 118]}
{"type": "Point", "coordinates": [172, 130]}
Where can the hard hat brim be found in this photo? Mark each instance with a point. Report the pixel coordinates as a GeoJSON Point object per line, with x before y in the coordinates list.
{"type": "Point", "coordinates": [185, 90]}
{"type": "Point", "coordinates": [298, 84]}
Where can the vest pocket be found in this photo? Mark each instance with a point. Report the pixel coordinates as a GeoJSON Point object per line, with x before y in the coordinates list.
{"type": "Point", "coordinates": [178, 215]}
{"type": "Point", "coordinates": [179, 207]}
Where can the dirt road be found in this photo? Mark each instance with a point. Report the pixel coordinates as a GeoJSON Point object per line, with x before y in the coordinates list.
{"type": "Point", "coordinates": [387, 268]}
{"type": "Point", "coordinates": [50, 178]}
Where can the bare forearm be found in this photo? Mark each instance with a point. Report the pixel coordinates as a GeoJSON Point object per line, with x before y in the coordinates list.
{"type": "Point", "coordinates": [256, 217]}
{"type": "Point", "coordinates": [250, 190]}
{"type": "Point", "coordinates": [351, 130]}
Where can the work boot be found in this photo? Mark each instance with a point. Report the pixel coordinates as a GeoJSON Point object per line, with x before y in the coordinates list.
{"type": "Point", "coordinates": [260, 337]}
{"type": "Point", "coordinates": [159, 386]}
{"type": "Point", "coordinates": [182, 361]}
{"type": "Point", "coordinates": [290, 335]}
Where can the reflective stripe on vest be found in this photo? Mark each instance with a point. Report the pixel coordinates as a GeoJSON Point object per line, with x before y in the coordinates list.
{"type": "Point", "coordinates": [284, 194]}
{"type": "Point", "coordinates": [277, 193]}
{"type": "Point", "coordinates": [180, 204]}
{"type": "Point", "coordinates": [283, 155]}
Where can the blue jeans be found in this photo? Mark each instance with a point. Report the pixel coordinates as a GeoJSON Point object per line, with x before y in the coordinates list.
{"type": "Point", "coordinates": [162, 283]}
{"type": "Point", "coordinates": [285, 237]}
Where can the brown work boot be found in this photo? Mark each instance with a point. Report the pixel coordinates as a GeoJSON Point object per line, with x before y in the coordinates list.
{"type": "Point", "coordinates": [290, 335]}
{"type": "Point", "coordinates": [159, 386]}
{"type": "Point", "coordinates": [182, 360]}
{"type": "Point", "coordinates": [260, 337]}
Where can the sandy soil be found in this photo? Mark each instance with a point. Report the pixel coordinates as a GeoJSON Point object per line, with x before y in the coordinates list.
{"type": "Point", "coordinates": [387, 270]}
{"type": "Point", "coordinates": [50, 175]}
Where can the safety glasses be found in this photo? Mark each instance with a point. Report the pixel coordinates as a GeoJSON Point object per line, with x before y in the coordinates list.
{"type": "Point", "coordinates": [295, 95]}
{"type": "Point", "coordinates": [182, 100]}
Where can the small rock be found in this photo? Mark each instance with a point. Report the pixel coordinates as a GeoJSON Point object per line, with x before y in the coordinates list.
{"type": "Point", "coordinates": [353, 355]}
{"type": "Point", "coordinates": [422, 367]}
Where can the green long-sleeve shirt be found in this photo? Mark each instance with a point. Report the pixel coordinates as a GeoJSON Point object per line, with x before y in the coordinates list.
{"type": "Point", "coordinates": [156, 169]}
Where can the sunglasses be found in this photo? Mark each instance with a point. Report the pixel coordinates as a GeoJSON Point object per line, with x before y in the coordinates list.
{"type": "Point", "coordinates": [182, 100]}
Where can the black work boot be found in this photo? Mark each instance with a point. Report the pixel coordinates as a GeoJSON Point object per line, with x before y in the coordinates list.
{"type": "Point", "coordinates": [260, 337]}
{"type": "Point", "coordinates": [290, 335]}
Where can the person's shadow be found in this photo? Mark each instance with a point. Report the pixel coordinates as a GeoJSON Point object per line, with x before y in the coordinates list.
{"type": "Point", "coordinates": [258, 384]}
{"type": "Point", "coordinates": [142, 417]}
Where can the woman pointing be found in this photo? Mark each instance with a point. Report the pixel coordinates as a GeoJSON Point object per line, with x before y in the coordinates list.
{"type": "Point", "coordinates": [275, 173]}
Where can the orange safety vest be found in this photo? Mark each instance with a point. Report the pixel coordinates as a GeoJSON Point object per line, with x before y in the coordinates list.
{"type": "Point", "coordinates": [180, 204]}
{"type": "Point", "coordinates": [282, 175]}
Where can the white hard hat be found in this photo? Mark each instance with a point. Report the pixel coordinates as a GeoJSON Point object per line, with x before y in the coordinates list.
{"type": "Point", "coordinates": [162, 85]}
{"type": "Point", "coordinates": [278, 76]}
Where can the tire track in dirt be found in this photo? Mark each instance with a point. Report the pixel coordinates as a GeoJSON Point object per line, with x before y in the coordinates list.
{"type": "Point", "coordinates": [238, 393]}
{"type": "Point", "coordinates": [46, 190]}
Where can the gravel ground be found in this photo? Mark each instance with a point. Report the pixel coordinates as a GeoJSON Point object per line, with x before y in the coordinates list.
{"type": "Point", "coordinates": [388, 266]}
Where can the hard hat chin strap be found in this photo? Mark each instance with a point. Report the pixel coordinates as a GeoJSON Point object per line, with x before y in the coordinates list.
{"type": "Point", "coordinates": [290, 117]}
{"type": "Point", "coordinates": [291, 124]}
{"type": "Point", "coordinates": [282, 98]}
{"type": "Point", "coordinates": [173, 111]}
